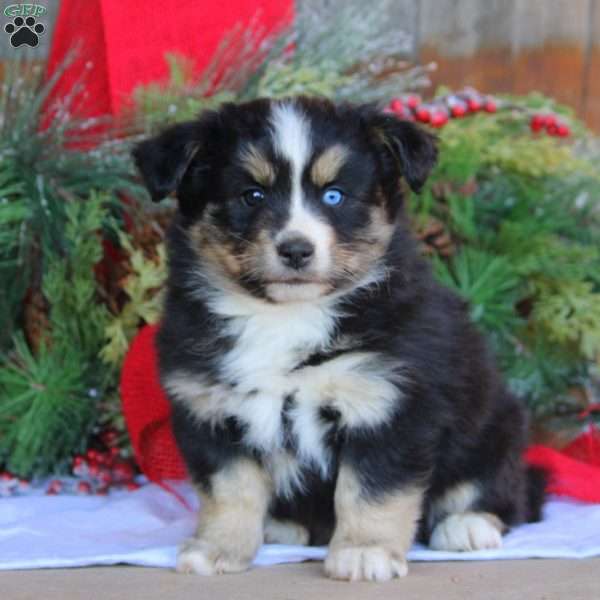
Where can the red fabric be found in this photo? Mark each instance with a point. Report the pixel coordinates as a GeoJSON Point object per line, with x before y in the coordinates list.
{"type": "Point", "coordinates": [124, 43]}
{"type": "Point", "coordinates": [147, 411]}
{"type": "Point", "coordinates": [586, 447]}
{"type": "Point", "coordinates": [567, 475]}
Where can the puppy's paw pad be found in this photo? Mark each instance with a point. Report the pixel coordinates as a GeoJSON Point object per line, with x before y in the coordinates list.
{"type": "Point", "coordinates": [285, 532]}
{"type": "Point", "coordinates": [364, 563]}
{"type": "Point", "coordinates": [200, 558]}
{"type": "Point", "coordinates": [466, 532]}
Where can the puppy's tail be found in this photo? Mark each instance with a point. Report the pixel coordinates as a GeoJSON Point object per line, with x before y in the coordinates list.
{"type": "Point", "coordinates": [537, 479]}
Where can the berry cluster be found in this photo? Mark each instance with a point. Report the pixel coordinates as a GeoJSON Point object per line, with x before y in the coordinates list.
{"type": "Point", "coordinates": [550, 124]}
{"type": "Point", "coordinates": [440, 110]}
{"type": "Point", "coordinates": [98, 471]}
{"type": "Point", "coordinates": [469, 101]}
{"type": "Point", "coordinates": [95, 472]}
{"type": "Point", "coordinates": [11, 484]}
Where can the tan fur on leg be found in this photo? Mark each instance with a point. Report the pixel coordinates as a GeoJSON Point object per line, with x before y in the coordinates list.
{"type": "Point", "coordinates": [371, 537]}
{"type": "Point", "coordinates": [231, 522]}
{"type": "Point", "coordinates": [285, 532]}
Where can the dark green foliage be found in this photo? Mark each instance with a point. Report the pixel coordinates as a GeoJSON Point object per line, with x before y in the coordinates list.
{"type": "Point", "coordinates": [45, 165]}
{"type": "Point", "coordinates": [489, 282]}
{"type": "Point", "coordinates": [524, 212]}
{"type": "Point", "coordinates": [47, 400]}
{"type": "Point", "coordinates": [45, 408]}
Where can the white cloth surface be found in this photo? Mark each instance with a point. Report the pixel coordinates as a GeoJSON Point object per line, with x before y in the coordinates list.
{"type": "Point", "coordinates": [144, 527]}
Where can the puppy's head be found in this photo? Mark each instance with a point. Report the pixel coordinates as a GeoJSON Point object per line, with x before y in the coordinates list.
{"type": "Point", "coordinates": [290, 200]}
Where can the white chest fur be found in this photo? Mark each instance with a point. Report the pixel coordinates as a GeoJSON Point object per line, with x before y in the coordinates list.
{"type": "Point", "coordinates": [270, 342]}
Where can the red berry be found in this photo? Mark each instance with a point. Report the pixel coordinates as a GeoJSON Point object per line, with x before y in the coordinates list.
{"type": "Point", "coordinates": [122, 472]}
{"type": "Point", "coordinates": [55, 487]}
{"type": "Point", "coordinates": [458, 110]}
{"type": "Point", "coordinates": [109, 437]}
{"type": "Point", "coordinates": [93, 470]}
{"type": "Point", "coordinates": [132, 485]}
{"type": "Point", "coordinates": [550, 119]}
{"type": "Point", "coordinates": [552, 129]}
{"type": "Point", "coordinates": [102, 490]}
{"type": "Point", "coordinates": [92, 455]}
{"type": "Point", "coordinates": [423, 115]}
{"type": "Point", "coordinates": [563, 130]}
{"type": "Point", "coordinates": [438, 119]}
{"type": "Point", "coordinates": [84, 487]}
{"type": "Point", "coordinates": [78, 460]}
{"type": "Point", "coordinates": [537, 122]}
{"type": "Point", "coordinates": [105, 476]}
{"type": "Point", "coordinates": [6, 476]}
{"type": "Point", "coordinates": [473, 104]}
{"type": "Point", "coordinates": [490, 106]}
{"type": "Point", "coordinates": [412, 101]}
{"type": "Point", "coordinates": [103, 458]}
{"type": "Point", "coordinates": [397, 106]}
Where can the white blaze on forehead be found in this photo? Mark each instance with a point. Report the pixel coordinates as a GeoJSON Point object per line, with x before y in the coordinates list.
{"type": "Point", "coordinates": [291, 138]}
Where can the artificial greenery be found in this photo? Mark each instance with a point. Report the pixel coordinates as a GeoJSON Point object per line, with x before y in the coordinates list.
{"type": "Point", "coordinates": [53, 314]}
{"type": "Point", "coordinates": [49, 398]}
{"type": "Point", "coordinates": [523, 211]}
{"type": "Point", "coordinates": [45, 165]}
{"type": "Point", "coordinates": [142, 288]}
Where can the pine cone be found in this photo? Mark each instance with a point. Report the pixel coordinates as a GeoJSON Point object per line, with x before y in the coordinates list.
{"type": "Point", "coordinates": [435, 239]}
{"type": "Point", "coordinates": [36, 325]}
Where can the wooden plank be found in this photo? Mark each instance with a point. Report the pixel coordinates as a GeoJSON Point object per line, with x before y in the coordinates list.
{"type": "Point", "coordinates": [468, 40]}
{"type": "Point", "coordinates": [591, 84]}
{"type": "Point", "coordinates": [549, 46]}
{"type": "Point", "coordinates": [462, 27]}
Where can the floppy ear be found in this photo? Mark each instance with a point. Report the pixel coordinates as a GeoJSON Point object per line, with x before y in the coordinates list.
{"type": "Point", "coordinates": [164, 159]}
{"type": "Point", "coordinates": [413, 149]}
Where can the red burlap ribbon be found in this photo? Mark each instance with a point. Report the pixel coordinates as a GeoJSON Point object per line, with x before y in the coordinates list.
{"type": "Point", "coordinates": [147, 411]}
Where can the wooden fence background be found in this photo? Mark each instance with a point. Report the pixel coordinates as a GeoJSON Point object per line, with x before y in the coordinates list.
{"type": "Point", "coordinates": [495, 45]}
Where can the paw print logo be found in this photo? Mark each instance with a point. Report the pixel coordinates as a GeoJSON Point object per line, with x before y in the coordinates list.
{"type": "Point", "coordinates": [24, 31]}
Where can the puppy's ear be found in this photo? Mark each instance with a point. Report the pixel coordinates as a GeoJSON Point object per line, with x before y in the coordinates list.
{"type": "Point", "coordinates": [164, 159]}
{"type": "Point", "coordinates": [413, 149]}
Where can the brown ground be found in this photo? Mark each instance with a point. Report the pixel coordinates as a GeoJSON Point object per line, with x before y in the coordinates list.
{"type": "Point", "coordinates": [499, 580]}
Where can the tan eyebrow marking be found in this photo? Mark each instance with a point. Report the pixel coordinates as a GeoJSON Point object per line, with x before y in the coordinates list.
{"type": "Point", "coordinates": [328, 164]}
{"type": "Point", "coordinates": [258, 165]}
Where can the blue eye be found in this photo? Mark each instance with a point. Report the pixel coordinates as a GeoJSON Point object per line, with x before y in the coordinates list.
{"type": "Point", "coordinates": [332, 197]}
{"type": "Point", "coordinates": [253, 197]}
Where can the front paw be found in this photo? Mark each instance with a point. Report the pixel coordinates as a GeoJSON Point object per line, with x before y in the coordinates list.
{"type": "Point", "coordinates": [466, 532]}
{"type": "Point", "coordinates": [203, 558]}
{"type": "Point", "coordinates": [364, 563]}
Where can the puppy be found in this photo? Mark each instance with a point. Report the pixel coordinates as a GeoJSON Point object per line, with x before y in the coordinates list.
{"type": "Point", "coordinates": [325, 389]}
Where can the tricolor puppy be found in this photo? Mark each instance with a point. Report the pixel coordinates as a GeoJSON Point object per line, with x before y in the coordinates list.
{"type": "Point", "coordinates": [325, 389]}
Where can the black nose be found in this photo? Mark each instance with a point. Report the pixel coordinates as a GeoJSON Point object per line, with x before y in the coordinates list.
{"type": "Point", "coordinates": [296, 252]}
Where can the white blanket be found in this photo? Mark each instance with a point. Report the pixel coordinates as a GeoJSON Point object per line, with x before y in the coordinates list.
{"type": "Point", "coordinates": [144, 528]}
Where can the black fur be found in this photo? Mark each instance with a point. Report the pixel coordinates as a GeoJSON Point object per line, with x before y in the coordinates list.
{"type": "Point", "coordinates": [456, 421]}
